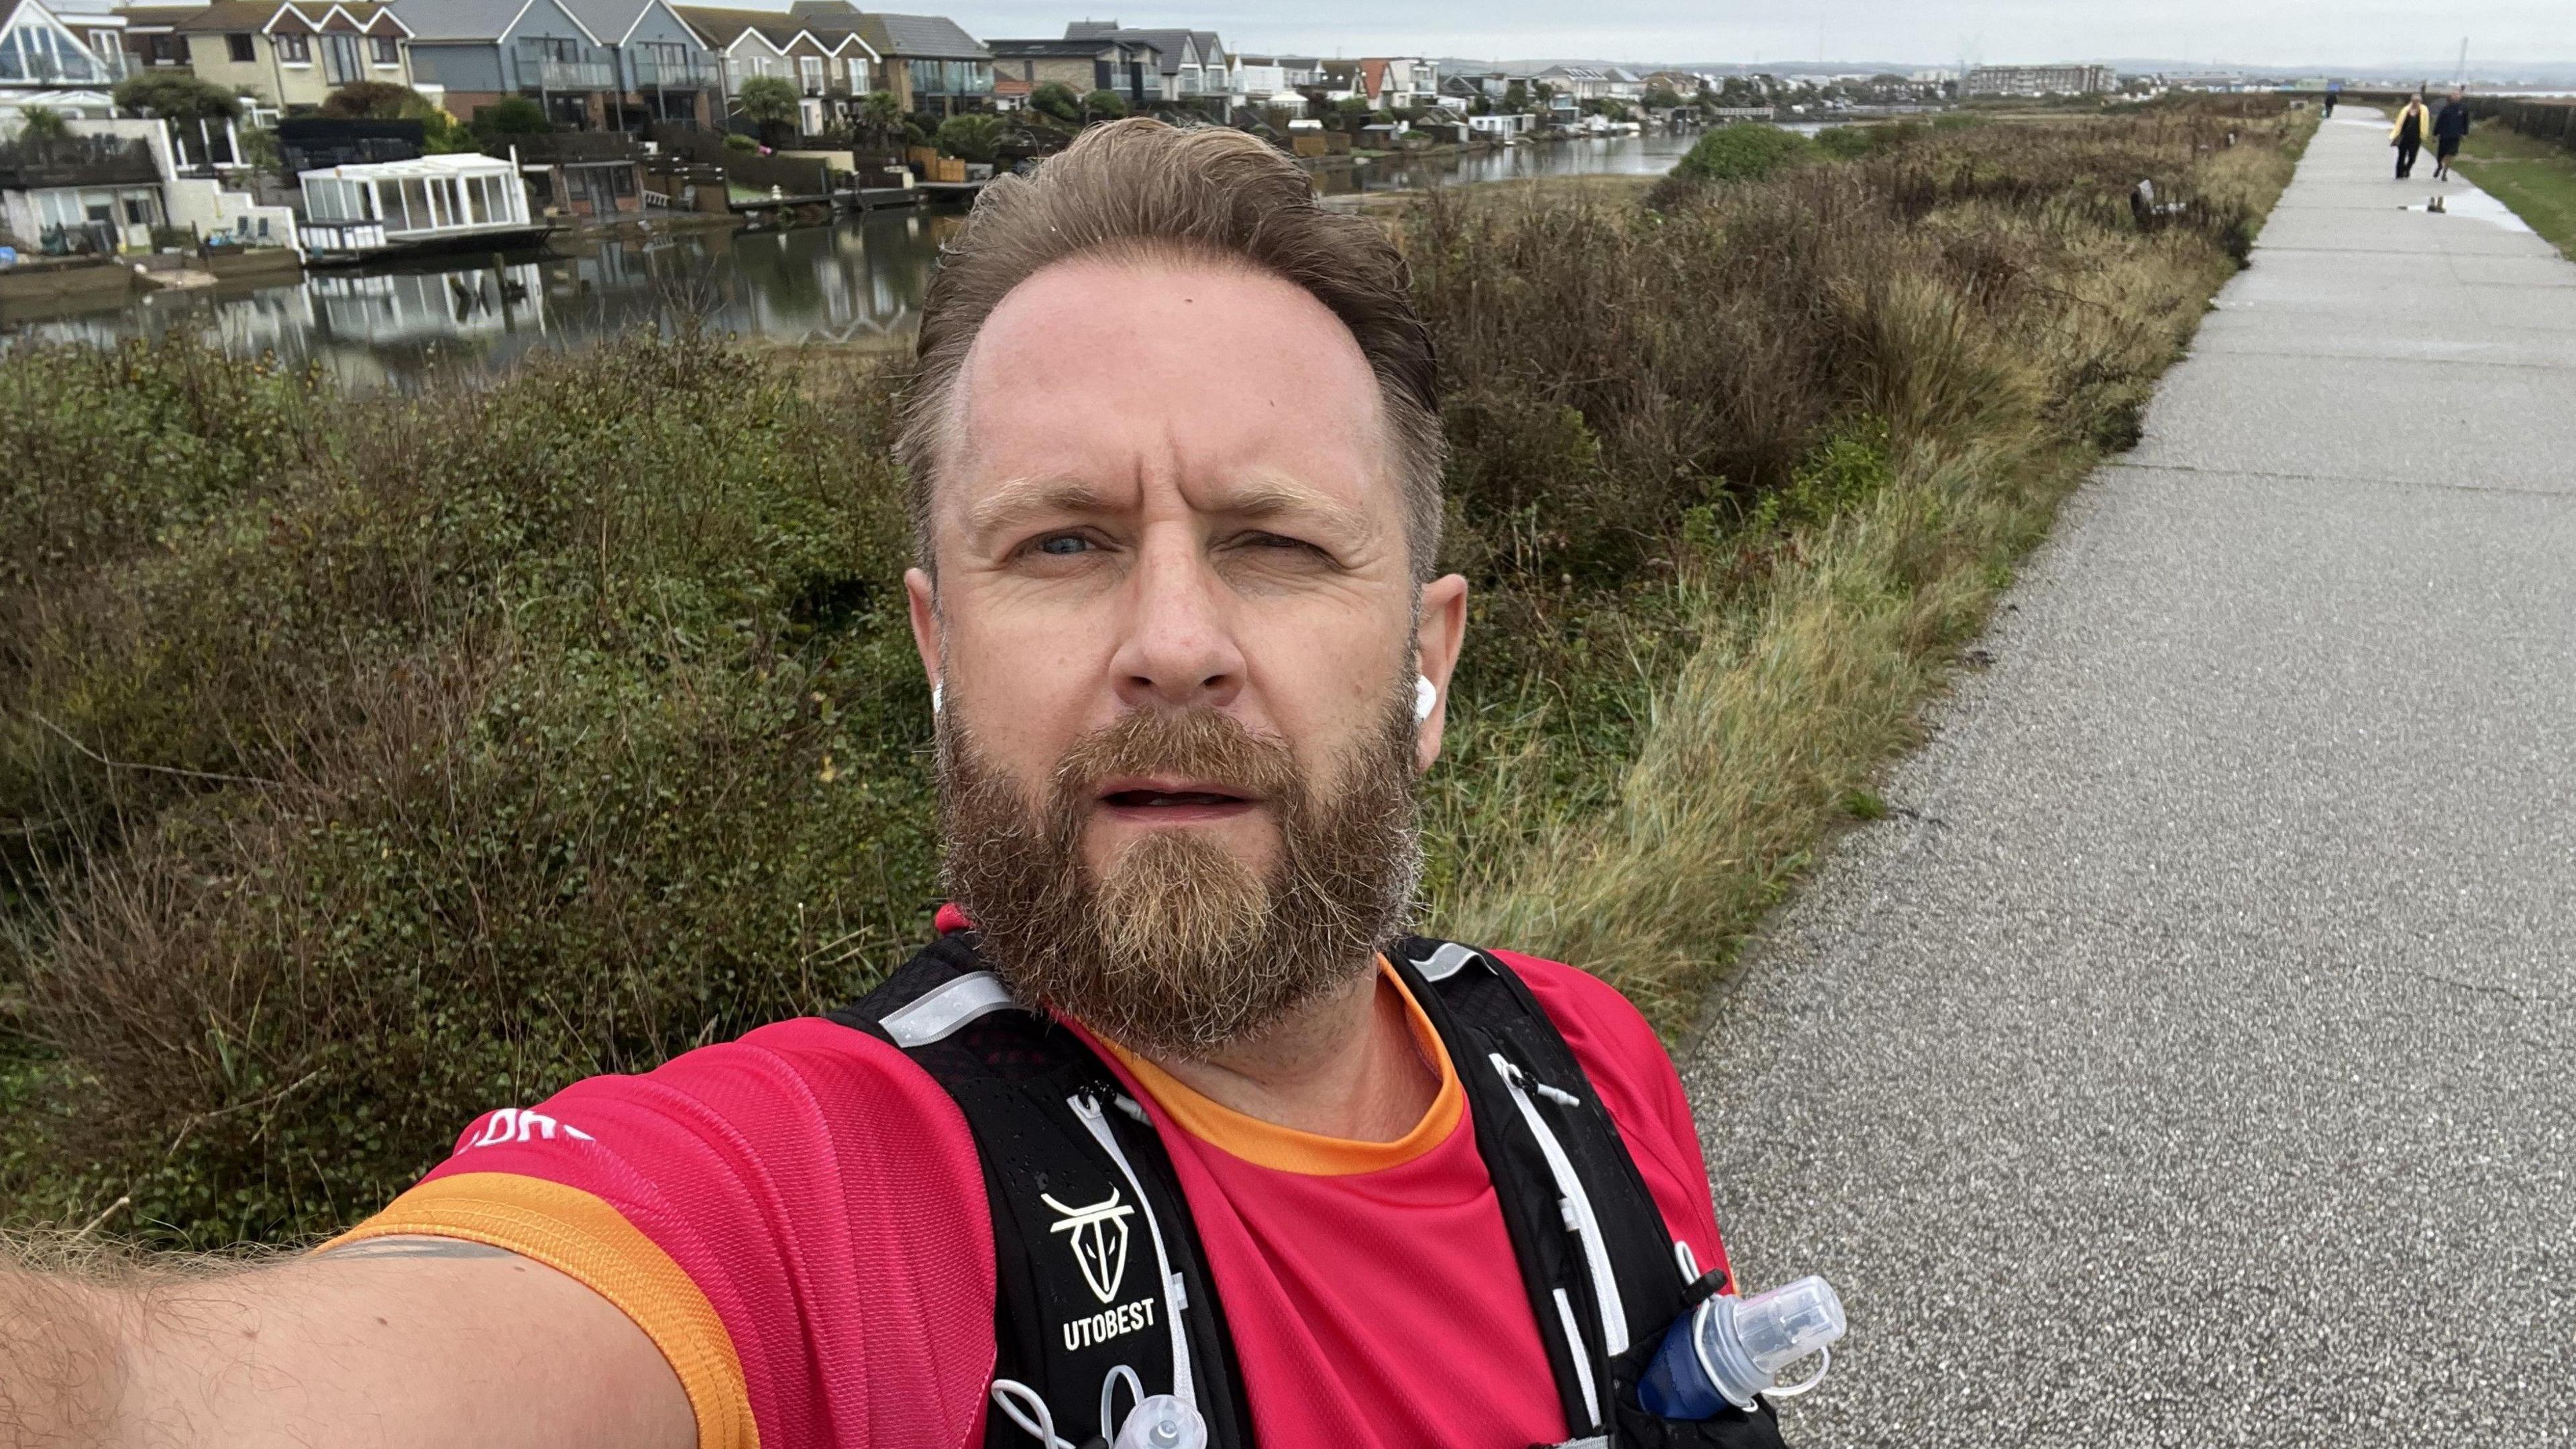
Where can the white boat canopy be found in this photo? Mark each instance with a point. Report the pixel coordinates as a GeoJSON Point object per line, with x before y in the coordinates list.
{"type": "Point", "coordinates": [425, 197]}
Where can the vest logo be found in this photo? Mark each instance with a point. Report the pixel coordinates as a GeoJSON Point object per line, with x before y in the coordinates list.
{"type": "Point", "coordinates": [1099, 1240]}
{"type": "Point", "coordinates": [1107, 1324]}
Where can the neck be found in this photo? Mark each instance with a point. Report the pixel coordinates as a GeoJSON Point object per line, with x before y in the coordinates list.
{"type": "Point", "coordinates": [1345, 1066]}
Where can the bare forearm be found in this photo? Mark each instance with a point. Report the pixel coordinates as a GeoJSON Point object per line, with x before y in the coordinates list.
{"type": "Point", "coordinates": [447, 1344]}
{"type": "Point", "coordinates": [58, 1362]}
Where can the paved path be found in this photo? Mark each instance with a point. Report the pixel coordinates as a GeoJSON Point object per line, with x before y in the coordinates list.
{"type": "Point", "coordinates": [2190, 1057]}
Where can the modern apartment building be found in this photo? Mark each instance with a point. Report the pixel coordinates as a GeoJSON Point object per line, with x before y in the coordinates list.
{"type": "Point", "coordinates": [2041, 80]}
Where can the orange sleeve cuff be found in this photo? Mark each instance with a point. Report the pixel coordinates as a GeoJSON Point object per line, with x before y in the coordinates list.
{"type": "Point", "coordinates": [585, 1239]}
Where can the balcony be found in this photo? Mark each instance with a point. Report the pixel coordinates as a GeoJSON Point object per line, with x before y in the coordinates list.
{"type": "Point", "coordinates": [26, 165]}
{"type": "Point", "coordinates": [575, 75]}
{"type": "Point", "coordinates": [674, 75]}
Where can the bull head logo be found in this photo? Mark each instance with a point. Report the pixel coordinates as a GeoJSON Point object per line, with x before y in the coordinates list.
{"type": "Point", "coordinates": [1102, 1258]}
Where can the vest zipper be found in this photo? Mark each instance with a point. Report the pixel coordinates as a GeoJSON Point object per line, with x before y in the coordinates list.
{"type": "Point", "coordinates": [1576, 1205]}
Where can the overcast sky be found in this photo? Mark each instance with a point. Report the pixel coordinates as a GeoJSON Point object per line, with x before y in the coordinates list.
{"type": "Point", "coordinates": [2502, 33]}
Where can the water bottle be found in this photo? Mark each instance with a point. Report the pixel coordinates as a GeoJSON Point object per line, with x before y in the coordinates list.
{"type": "Point", "coordinates": [1729, 1349]}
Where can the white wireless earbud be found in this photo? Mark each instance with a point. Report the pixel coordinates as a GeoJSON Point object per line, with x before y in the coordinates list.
{"type": "Point", "coordinates": [934, 698]}
{"type": "Point", "coordinates": [1426, 696]}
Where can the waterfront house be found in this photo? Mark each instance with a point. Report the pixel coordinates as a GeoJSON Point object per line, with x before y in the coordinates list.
{"type": "Point", "coordinates": [63, 58]}
{"type": "Point", "coordinates": [1399, 82]}
{"type": "Point", "coordinates": [821, 54]}
{"type": "Point", "coordinates": [152, 38]}
{"type": "Point", "coordinates": [1191, 62]}
{"type": "Point", "coordinates": [117, 185]}
{"type": "Point", "coordinates": [592, 65]}
{"type": "Point", "coordinates": [430, 203]}
{"type": "Point", "coordinates": [1268, 82]}
{"type": "Point", "coordinates": [930, 63]}
{"type": "Point", "coordinates": [1130, 68]}
{"type": "Point", "coordinates": [291, 56]}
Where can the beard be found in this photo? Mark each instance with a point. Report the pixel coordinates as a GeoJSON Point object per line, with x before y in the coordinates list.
{"type": "Point", "coordinates": [1180, 948]}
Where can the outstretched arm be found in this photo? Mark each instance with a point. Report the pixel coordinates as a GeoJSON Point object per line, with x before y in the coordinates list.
{"type": "Point", "coordinates": [389, 1343]}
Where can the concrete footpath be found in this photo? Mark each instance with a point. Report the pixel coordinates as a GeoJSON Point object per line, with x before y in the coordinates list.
{"type": "Point", "coordinates": [2190, 1056]}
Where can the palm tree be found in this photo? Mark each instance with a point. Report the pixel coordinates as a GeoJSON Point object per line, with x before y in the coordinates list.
{"type": "Point", "coordinates": [880, 115]}
{"type": "Point", "coordinates": [766, 102]}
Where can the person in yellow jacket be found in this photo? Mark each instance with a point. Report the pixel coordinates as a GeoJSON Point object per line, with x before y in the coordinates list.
{"type": "Point", "coordinates": [2414, 123]}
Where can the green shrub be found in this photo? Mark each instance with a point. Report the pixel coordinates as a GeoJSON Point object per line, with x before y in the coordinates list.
{"type": "Point", "coordinates": [971, 137]}
{"type": "Point", "coordinates": [737, 141]}
{"type": "Point", "coordinates": [1744, 152]}
{"type": "Point", "coordinates": [1059, 100]}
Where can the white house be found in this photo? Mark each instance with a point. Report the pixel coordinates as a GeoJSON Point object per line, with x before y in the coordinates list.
{"type": "Point", "coordinates": [117, 180]}
{"type": "Point", "coordinates": [65, 56]}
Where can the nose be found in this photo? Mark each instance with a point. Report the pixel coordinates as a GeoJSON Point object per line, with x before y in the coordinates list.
{"type": "Point", "coordinates": [1177, 649]}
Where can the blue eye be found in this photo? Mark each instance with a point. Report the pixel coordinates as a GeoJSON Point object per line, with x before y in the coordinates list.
{"type": "Point", "coordinates": [1064, 544]}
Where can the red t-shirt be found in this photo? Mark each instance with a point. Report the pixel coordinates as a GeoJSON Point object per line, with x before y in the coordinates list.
{"type": "Point", "coordinates": [798, 1221]}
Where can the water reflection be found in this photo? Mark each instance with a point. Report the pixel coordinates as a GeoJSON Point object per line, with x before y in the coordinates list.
{"type": "Point", "coordinates": [854, 281]}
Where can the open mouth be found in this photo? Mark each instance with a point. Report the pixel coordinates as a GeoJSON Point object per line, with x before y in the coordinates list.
{"type": "Point", "coordinates": [1174, 801]}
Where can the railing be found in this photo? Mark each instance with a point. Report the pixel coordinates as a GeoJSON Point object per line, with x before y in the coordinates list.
{"type": "Point", "coordinates": [575, 75]}
{"type": "Point", "coordinates": [673, 74]}
{"type": "Point", "coordinates": [363, 236]}
{"type": "Point", "coordinates": [26, 164]}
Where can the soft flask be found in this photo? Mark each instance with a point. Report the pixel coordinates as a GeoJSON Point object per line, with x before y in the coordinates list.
{"type": "Point", "coordinates": [1729, 1349]}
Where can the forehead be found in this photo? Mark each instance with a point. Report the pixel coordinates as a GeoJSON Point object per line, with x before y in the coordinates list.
{"type": "Point", "coordinates": [1113, 370]}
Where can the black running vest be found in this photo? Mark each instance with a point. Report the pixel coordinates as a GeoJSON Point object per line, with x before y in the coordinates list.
{"type": "Point", "coordinates": [1099, 1265]}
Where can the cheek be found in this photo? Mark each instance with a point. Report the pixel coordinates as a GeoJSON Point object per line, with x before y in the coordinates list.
{"type": "Point", "coordinates": [1033, 685]}
{"type": "Point", "coordinates": [1324, 677]}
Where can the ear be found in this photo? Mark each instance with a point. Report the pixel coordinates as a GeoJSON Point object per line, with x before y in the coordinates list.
{"type": "Point", "coordinates": [1436, 642]}
{"type": "Point", "coordinates": [918, 593]}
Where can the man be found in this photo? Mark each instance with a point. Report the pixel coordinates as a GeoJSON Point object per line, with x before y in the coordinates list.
{"type": "Point", "coordinates": [2407, 135]}
{"type": "Point", "coordinates": [1175, 455]}
{"type": "Point", "coordinates": [2450, 128]}
{"type": "Point", "coordinates": [2334, 92]}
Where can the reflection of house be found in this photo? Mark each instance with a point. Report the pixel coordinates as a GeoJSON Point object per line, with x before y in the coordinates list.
{"type": "Point", "coordinates": [930, 64]}
{"type": "Point", "coordinates": [830, 65]}
{"type": "Point", "coordinates": [59, 57]}
{"type": "Point", "coordinates": [1131, 68]}
{"type": "Point", "coordinates": [293, 55]}
{"type": "Point", "coordinates": [591, 64]}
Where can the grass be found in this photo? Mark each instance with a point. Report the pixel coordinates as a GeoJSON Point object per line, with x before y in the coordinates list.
{"type": "Point", "coordinates": [366, 762]}
{"type": "Point", "coordinates": [2535, 178]}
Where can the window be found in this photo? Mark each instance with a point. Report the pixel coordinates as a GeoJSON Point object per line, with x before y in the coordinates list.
{"type": "Point", "coordinates": [810, 69]}
{"type": "Point", "coordinates": [237, 49]}
{"type": "Point", "coordinates": [293, 49]}
{"type": "Point", "coordinates": [858, 69]}
{"type": "Point", "coordinates": [387, 50]}
{"type": "Point", "coordinates": [169, 49]}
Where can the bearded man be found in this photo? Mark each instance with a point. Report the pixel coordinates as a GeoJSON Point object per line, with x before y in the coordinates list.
{"type": "Point", "coordinates": [1173, 1134]}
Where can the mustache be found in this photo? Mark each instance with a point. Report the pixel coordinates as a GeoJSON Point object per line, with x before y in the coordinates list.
{"type": "Point", "coordinates": [1200, 744]}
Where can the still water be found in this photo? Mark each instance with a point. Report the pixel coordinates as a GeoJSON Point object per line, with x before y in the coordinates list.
{"type": "Point", "coordinates": [856, 281]}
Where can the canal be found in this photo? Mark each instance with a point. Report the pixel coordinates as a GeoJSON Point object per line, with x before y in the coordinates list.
{"type": "Point", "coordinates": [856, 282]}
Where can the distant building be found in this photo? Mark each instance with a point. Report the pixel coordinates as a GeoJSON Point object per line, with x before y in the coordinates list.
{"type": "Point", "coordinates": [2041, 80]}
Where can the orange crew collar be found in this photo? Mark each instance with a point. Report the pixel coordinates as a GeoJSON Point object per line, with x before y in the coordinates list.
{"type": "Point", "coordinates": [1285, 1149]}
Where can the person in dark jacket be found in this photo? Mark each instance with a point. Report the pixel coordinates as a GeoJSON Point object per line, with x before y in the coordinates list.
{"type": "Point", "coordinates": [2408, 134]}
{"type": "Point", "coordinates": [2449, 129]}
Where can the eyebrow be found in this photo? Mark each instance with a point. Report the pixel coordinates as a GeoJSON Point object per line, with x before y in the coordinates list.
{"type": "Point", "coordinates": [1254, 500]}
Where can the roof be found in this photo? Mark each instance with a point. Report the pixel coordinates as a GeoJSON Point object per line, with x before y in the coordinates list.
{"type": "Point", "coordinates": [1091, 29]}
{"type": "Point", "coordinates": [720, 27]}
{"type": "Point", "coordinates": [462, 163]}
{"type": "Point", "coordinates": [460, 19]}
{"type": "Point", "coordinates": [928, 37]}
{"type": "Point", "coordinates": [609, 20]}
{"type": "Point", "coordinates": [146, 17]}
{"type": "Point", "coordinates": [291, 16]}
